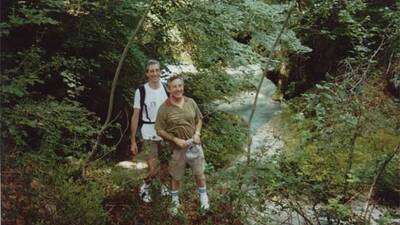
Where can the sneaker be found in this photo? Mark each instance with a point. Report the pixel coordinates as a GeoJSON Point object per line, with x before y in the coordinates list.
{"type": "Point", "coordinates": [204, 203]}
{"type": "Point", "coordinates": [164, 190]}
{"type": "Point", "coordinates": [175, 209]}
{"type": "Point", "coordinates": [144, 193]}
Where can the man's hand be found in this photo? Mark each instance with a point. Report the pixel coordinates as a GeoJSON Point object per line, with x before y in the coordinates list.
{"type": "Point", "coordinates": [181, 143]}
{"type": "Point", "coordinates": [134, 149]}
{"type": "Point", "coordinates": [196, 138]}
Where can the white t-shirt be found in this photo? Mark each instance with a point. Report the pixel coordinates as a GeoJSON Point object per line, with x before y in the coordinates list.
{"type": "Point", "coordinates": [153, 100]}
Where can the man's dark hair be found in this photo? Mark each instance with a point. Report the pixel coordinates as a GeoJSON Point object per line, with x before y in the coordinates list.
{"type": "Point", "coordinates": [152, 62]}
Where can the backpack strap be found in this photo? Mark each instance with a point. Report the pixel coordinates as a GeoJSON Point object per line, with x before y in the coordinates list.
{"type": "Point", "coordinates": [143, 106]}
{"type": "Point", "coordinates": [142, 97]}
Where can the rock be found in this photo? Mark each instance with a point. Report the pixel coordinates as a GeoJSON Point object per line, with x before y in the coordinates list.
{"type": "Point", "coordinates": [140, 165]}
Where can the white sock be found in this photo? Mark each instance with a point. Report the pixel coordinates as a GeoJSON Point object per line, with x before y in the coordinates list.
{"type": "Point", "coordinates": [202, 192]}
{"type": "Point", "coordinates": [175, 197]}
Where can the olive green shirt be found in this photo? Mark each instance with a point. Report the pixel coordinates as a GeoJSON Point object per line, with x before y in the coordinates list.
{"type": "Point", "coordinates": [176, 121]}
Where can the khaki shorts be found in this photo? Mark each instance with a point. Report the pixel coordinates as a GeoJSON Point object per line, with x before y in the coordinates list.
{"type": "Point", "coordinates": [178, 162]}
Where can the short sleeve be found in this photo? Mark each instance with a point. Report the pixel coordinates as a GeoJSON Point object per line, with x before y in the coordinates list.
{"type": "Point", "coordinates": [136, 101]}
{"type": "Point", "coordinates": [199, 116]}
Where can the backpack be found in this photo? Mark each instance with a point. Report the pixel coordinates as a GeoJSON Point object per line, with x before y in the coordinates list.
{"type": "Point", "coordinates": [142, 93]}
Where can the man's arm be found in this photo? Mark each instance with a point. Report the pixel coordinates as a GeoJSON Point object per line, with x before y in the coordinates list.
{"type": "Point", "coordinates": [196, 136]}
{"type": "Point", "coordinates": [167, 136]}
{"type": "Point", "coordinates": [199, 124]}
{"type": "Point", "coordinates": [134, 126]}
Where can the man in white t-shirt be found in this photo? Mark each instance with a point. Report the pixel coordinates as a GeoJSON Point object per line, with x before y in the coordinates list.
{"type": "Point", "coordinates": [155, 94]}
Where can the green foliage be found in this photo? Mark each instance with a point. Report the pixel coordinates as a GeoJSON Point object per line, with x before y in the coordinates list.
{"type": "Point", "coordinates": [80, 204]}
{"type": "Point", "coordinates": [335, 121]}
{"type": "Point", "coordinates": [54, 78]}
{"type": "Point", "coordinates": [113, 180]}
{"type": "Point", "coordinates": [28, 15]}
{"type": "Point", "coordinates": [26, 73]}
{"type": "Point", "coordinates": [339, 30]}
{"type": "Point", "coordinates": [60, 198]}
{"type": "Point", "coordinates": [356, 21]}
{"type": "Point", "coordinates": [210, 85]}
{"type": "Point", "coordinates": [51, 127]}
{"type": "Point", "coordinates": [232, 33]}
{"type": "Point", "coordinates": [336, 140]}
{"type": "Point", "coordinates": [338, 210]}
{"type": "Point", "coordinates": [224, 136]}
{"type": "Point", "coordinates": [388, 187]}
{"type": "Point", "coordinates": [81, 51]}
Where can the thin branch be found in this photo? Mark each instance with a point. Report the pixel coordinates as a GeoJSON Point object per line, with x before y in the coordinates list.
{"type": "Point", "coordinates": [390, 63]}
{"type": "Point", "coordinates": [352, 198]}
{"type": "Point", "coordinates": [278, 38]}
{"type": "Point", "coordinates": [297, 208]}
{"type": "Point", "coordinates": [364, 75]}
{"type": "Point", "coordinates": [120, 139]}
{"type": "Point", "coordinates": [98, 142]}
{"type": "Point", "coordinates": [357, 131]}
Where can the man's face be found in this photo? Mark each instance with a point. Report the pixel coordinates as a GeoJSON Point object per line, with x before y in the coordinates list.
{"type": "Point", "coordinates": [175, 88]}
{"type": "Point", "coordinates": [153, 73]}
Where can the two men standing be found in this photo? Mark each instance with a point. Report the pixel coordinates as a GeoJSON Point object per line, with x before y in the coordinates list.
{"type": "Point", "coordinates": [179, 123]}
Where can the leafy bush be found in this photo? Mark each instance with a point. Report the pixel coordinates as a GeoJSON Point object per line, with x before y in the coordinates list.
{"type": "Point", "coordinates": [337, 30]}
{"type": "Point", "coordinates": [223, 136]}
{"type": "Point", "coordinates": [211, 85]}
{"type": "Point", "coordinates": [40, 190]}
{"type": "Point", "coordinates": [51, 127]}
{"type": "Point", "coordinates": [79, 203]}
{"type": "Point", "coordinates": [337, 139]}
{"type": "Point", "coordinates": [61, 198]}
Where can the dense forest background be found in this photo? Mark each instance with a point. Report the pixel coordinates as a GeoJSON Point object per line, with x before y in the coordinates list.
{"type": "Point", "coordinates": [336, 68]}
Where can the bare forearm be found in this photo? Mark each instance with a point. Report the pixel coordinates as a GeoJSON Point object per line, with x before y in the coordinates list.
{"type": "Point", "coordinates": [134, 124]}
{"type": "Point", "coordinates": [166, 136]}
{"type": "Point", "coordinates": [198, 127]}
{"type": "Point", "coordinates": [181, 143]}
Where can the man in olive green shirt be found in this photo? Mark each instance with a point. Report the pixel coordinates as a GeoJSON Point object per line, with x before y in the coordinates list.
{"type": "Point", "coordinates": [179, 121]}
